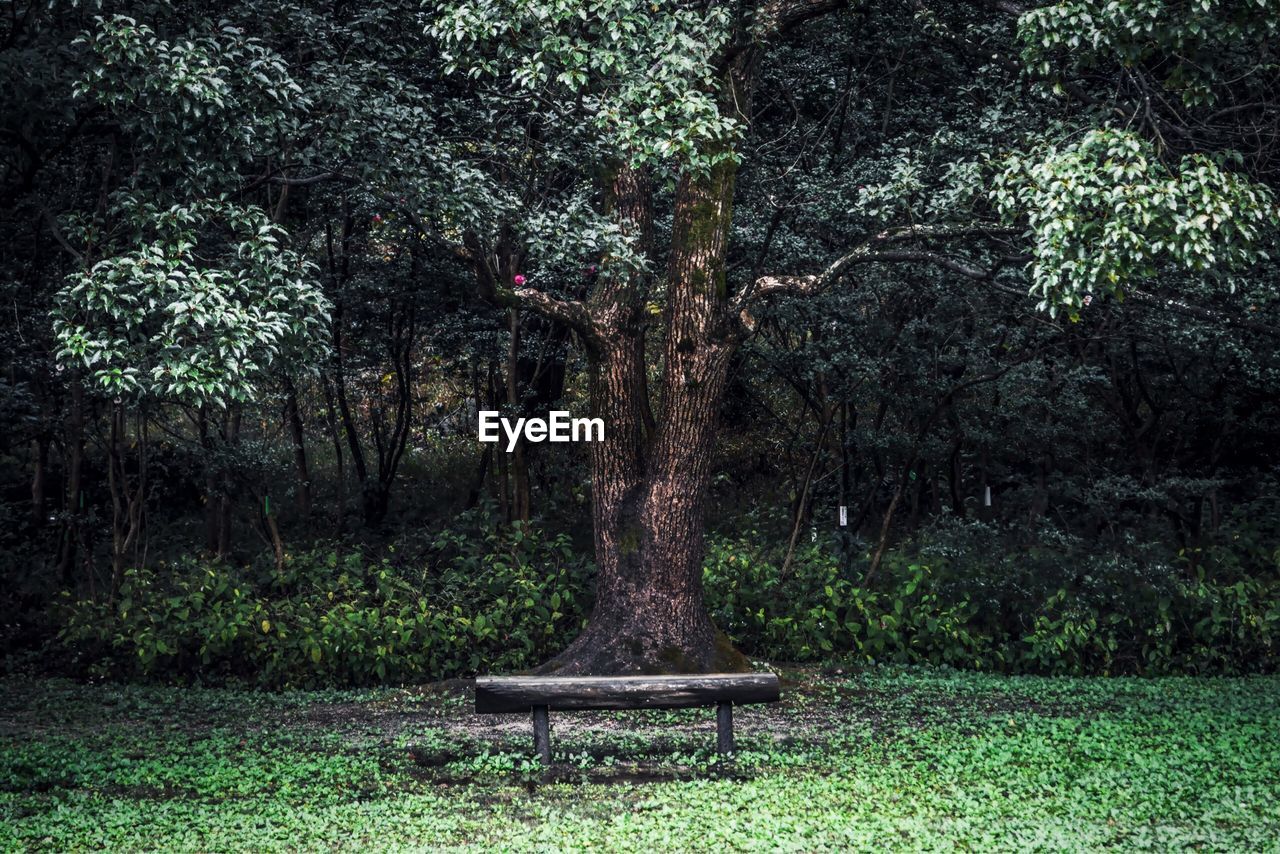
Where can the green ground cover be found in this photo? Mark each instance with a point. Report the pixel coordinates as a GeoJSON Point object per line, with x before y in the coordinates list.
{"type": "Point", "coordinates": [903, 759]}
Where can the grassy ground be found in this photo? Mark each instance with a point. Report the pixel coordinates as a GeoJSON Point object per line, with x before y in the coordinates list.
{"type": "Point", "coordinates": [896, 759]}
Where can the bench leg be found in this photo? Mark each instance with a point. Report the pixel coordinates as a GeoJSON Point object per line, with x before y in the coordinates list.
{"type": "Point", "coordinates": [542, 733]}
{"type": "Point", "coordinates": [724, 728]}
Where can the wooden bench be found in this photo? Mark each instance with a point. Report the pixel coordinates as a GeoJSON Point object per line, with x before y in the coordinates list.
{"type": "Point", "coordinates": [543, 694]}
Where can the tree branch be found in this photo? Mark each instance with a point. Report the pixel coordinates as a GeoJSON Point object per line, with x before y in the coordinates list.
{"type": "Point", "coordinates": [778, 16]}
{"type": "Point", "coordinates": [460, 252]}
{"type": "Point", "coordinates": [1005, 7]}
{"type": "Point", "coordinates": [1186, 309]}
{"type": "Point", "coordinates": [946, 262]}
{"type": "Point", "coordinates": [52, 224]}
{"type": "Point", "coordinates": [308, 180]}
{"type": "Point", "coordinates": [571, 313]}
{"type": "Point", "coordinates": [869, 252]}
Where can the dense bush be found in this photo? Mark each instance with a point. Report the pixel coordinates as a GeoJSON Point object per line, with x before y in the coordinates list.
{"type": "Point", "coordinates": [959, 595]}
{"type": "Point", "coordinates": [494, 603]}
{"type": "Point", "coordinates": [814, 612]}
{"type": "Point", "coordinates": [978, 603]}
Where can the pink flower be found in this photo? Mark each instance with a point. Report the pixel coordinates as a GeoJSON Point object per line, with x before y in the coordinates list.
{"type": "Point", "coordinates": [519, 279]}
{"type": "Point", "coordinates": [377, 217]}
{"type": "Point", "coordinates": [1088, 299]}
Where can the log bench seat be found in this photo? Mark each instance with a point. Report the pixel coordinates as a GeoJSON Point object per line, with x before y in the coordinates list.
{"type": "Point", "coordinates": [541, 695]}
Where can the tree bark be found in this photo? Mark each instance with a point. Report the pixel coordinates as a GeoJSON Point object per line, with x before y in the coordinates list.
{"type": "Point", "coordinates": [650, 487]}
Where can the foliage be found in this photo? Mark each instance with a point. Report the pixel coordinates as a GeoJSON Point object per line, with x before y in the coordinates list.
{"type": "Point", "coordinates": [815, 612]}
{"type": "Point", "coordinates": [508, 601]}
{"type": "Point", "coordinates": [1193, 48]}
{"type": "Point", "coordinates": [1105, 214]}
{"type": "Point", "coordinates": [331, 620]}
{"type": "Point", "coordinates": [175, 319]}
{"type": "Point", "coordinates": [929, 759]}
{"type": "Point", "coordinates": [638, 71]}
{"type": "Point", "coordinates": [1045, 610]}
{"type": "Point", "coordinates": [199, 103]}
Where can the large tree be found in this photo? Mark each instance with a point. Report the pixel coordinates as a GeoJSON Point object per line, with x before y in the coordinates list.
{"type": "Point", "coordinates": [1097, 213]}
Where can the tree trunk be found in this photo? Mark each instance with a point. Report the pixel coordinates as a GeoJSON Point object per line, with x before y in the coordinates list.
{"type": "Point", "coordinates": [335, 436]}
{"type": "Point", "coordinates": [74, 445]}
{"type": "Point", "coordinates": [128, 500]}
{"type": "Point", "coordinates": [294, 418]}
{"type": "Point", "coordinates": [521, 499]}
{"type": "Point", "coordinates": [231, 435]}
{"type": "Point", "coordinates": [802, 499]}
{"type": "Point", "coordinates": [273, 534]}
{"type": "Point", "coordinates": [339, 377]}
{"type": "Point", "coordinates": [39, 476]}
{"type": "Point", "coordinates": [650, 490]}
{"type": "Point", "coordinates": [117, 485]}
{"type": "Point", "coordinates": [207, 444]}
{"type": "Point", "coordinates": [649, 614]}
